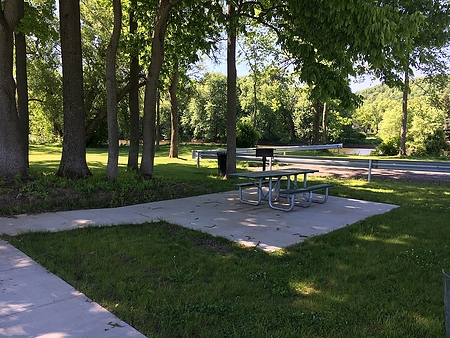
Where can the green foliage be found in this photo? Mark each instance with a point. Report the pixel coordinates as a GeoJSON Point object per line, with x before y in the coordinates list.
{"type": "Point", "coordinates": [246, 135]}
{"type": "Point", "coordinates": [205, 118]}
{"type": "Point", "coordinates": [389, 147]}
{"type": "Point", "coordinates": [425, 120]}
{"type": "Point", "coordinates": [435, 144]}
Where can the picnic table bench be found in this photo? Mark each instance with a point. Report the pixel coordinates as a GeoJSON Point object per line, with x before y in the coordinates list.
{"type": "Point", "coordinates": [268, 184]}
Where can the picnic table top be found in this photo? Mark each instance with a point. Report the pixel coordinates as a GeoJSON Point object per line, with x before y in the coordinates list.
{"type": "Point", "coordinates": [273, 173]}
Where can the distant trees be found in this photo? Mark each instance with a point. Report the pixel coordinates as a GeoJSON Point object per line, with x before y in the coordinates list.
{"type": "Point", "coordinates": [205, 117]}
{"type": "Point", "coordinates": [425, 24]}
{"type": "Point", "coordinates": [426, 114]}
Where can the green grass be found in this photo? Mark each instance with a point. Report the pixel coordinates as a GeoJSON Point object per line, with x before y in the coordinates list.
{"type": "Point", "coordinates": [380, 277]}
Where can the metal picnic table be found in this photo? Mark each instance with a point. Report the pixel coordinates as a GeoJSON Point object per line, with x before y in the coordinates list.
{"type": "Point", "coordinates": [272, 179]}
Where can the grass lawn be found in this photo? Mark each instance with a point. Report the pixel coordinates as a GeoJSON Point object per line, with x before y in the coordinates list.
{"type": "Point", "coordinates": [380, 277]}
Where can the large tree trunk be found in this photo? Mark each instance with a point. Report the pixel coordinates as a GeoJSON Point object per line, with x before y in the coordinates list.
{"type": "Point", "coordinates": [111, 95]}
{"type": "Point", "coordinates": [22, 85]}
{"type": "Point", "coordinates": [13, 154]}
{"type": "Point", "coordinates": [149, 120]}
{"type": "Point", "coordinates": [231, 92]}
{"type": "Point", "coordinates": [173, 153]}
{"type": "Point", "coordinates": [402, 150]}
{"type": "Point", "coordinates": [133, 99]}
{"type": "Point", "coordinates": [73, 160]}
{"type": "Point", "coordinates": [316, 123]}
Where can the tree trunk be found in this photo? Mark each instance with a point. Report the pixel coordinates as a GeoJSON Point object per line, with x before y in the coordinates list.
{"type": "Point", "coordinates": [73, 160]}
{"type": "Point", "coordinates": [111, 95]}
{"type": "Point", "coordinates": [13, 154]}
{"type": "Point", "coordinates": [402, 151]}
{"type": "Point", "coordinates": [158, 120]}
{"type": "Point", "coordinates": [173, 153]}
{"type": "Point", "coordinates": [255, 97]}
{"type": "Point", "coordinates": [22, 85]}
{"type": "Point", "coordinates": [324, 123]}
{"type": "Point", "coordinates": [316, 123]}
{"type": "Point", "coordinates": [149, 120]}
{"type": "Point", "coordinates": [231, 91]}
{"type": "Point", "coordinates": [133, 99]}
{"type": "Point", "coordinates": [290, 124]}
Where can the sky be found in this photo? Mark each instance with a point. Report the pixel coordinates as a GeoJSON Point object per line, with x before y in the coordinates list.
{"type": "Point", "coordinates": [242, 70]}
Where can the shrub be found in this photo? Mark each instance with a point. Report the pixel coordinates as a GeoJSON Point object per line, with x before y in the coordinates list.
{"type": "Point", "coordinates": [435, 144]}
{"type": "Point", "coordinates": [246, 135]}
{"type": "Point", "coordinates": [389, 147]}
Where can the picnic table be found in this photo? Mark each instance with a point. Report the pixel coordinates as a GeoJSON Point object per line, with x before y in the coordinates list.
{"type": "Point", "coordinates": [275, 184]}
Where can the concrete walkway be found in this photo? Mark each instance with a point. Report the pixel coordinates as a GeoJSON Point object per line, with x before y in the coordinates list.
{"type": "Point", "coordinates": [36, 303]}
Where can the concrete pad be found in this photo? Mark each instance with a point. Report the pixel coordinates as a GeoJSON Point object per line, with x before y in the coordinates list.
{"type": "Point", "coordinates": [220, 214]}
{"type": "Point", "coordinates": [36, 303]}
{"type": "Point", "coordinates": [224, 215]}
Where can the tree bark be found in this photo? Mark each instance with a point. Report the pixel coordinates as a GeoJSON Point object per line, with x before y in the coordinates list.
{"type": "Point", "coordinates": [73, 160]}
{"type": "Point", "coordinates": [316, 123]}
{"type": "Point", "coordinates": [13, 154]}
{"type": "Point", "coordinates": [111, 95]}
{"type": "Point", "coordinates": [133, 99]}
{"type": "Point", "coordinates": [158, 120]}
{"type": "Point", "coordinates": [22, 85]}
{"type": "Point", "coordinates": [173, 153]}
{"type": "Point", "coordinates": [149, 120]}
{"type": "Point", "coordinates": [324, 123]}
{"type": "Point", "coordinates": [402, 150]}
{"type": "Point", "coordinates": [231, 91]}
{"type": "Point", "coordinates": [255, 97]}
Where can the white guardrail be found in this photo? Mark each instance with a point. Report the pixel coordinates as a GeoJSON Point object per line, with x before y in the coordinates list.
{"type": "Point", "coordinates": [248, 154]}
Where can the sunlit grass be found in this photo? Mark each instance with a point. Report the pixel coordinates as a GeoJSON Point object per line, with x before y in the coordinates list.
{"type": "Point", "coordinates": [380, 277]}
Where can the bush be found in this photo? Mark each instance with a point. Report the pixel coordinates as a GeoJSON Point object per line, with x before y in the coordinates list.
{"type": "Point", "coordinates": [389, 147]}
{"type": "Point", "coordinates": [435, 144]}
{"type": "Point", "coordinates": [246, 135]}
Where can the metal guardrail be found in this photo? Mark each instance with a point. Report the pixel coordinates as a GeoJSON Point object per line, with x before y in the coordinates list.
{"type": "Point", "coordinates": [212, 153]}
{"type": "Point", "coordinates": [369, 164]}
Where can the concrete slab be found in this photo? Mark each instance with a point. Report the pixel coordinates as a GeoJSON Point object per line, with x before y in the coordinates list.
{"type": "Point", "coordinates": [36, 303]}
{"type": "Point", "coordinates": [220, 214]}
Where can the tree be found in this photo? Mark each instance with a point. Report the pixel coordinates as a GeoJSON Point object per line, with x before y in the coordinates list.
{"type": "Point", "coordinates": [111, 94]}
{"type": "Point", "coordinates": [22, 83]}
{"type": "Point", "coordinates": [133, 98]}
{"type": "Point", "coordinates": [154, 70]}
{"type": "Point", "coordinates": [13, 154]}
{"type": "Point", "coordinates": [231, 89]}
{"type": "Point", "coordinates": [192, 29]}
{"type": "Point", "coordinates": [425, 120]}
{"type": "Point", "coordinates": [207, 109]}
{"type": "Point", "coordinates": [44, 79]}
{"type": "Point", "coordinates": [173, 153]}
{"type": "Point", "coordinates": [420, 46]}
{"type": "Point", "coordinates": [258, 48]}
{"type": "Point", "coordinates": [73, 160]}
